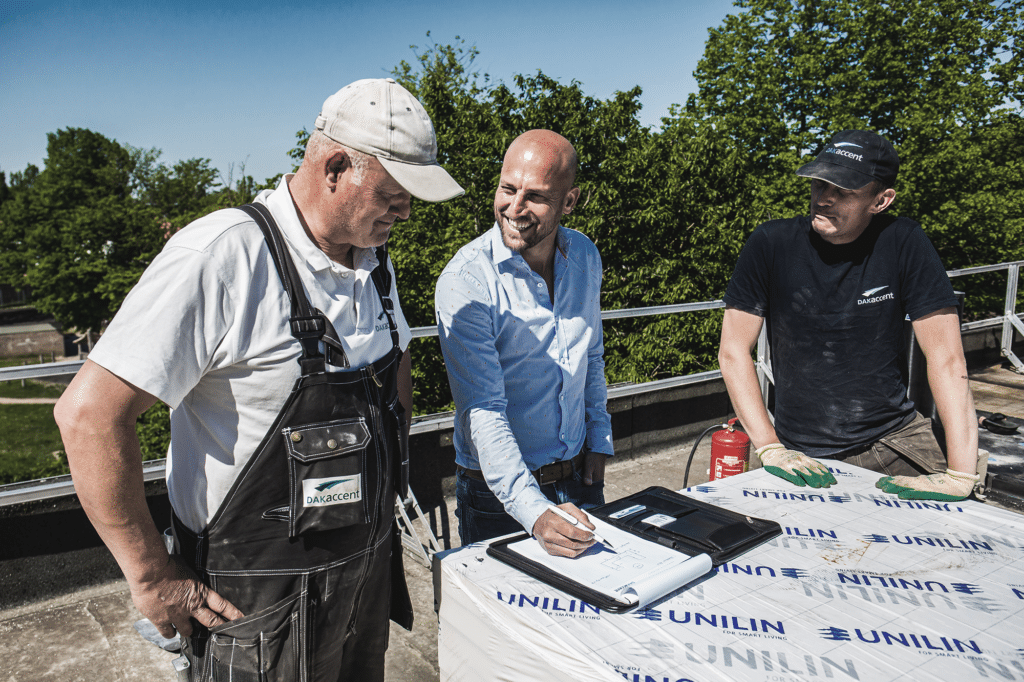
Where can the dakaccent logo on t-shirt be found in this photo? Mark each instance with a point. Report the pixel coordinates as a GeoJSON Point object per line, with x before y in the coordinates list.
{"type": "Point", "coordinates": [869, 296]}
{"type": "Point", "coordinates": [324, 492]}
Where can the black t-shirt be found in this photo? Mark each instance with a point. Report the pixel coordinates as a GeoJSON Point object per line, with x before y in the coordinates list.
{"type": "Point", "coordinates": [835, 316]}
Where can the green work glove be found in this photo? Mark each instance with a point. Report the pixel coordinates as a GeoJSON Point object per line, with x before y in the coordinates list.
{"type": "Point", "coordinates": [948, 487]}
{"type": "Point", "coordinates": [795, 467]}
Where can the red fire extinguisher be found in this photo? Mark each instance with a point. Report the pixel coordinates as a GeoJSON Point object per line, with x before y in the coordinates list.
{"type": "Point", "coordinates": [730, 452]}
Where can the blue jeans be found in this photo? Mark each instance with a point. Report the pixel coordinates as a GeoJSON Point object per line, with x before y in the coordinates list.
{"type": "Point", "coordinates": [482, 517]}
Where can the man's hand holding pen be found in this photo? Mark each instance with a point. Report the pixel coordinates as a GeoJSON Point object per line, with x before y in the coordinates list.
{"type": "Point", "coordinates": [565, 530]}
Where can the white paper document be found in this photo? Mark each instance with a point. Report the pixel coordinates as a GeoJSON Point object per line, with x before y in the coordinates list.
{"type": "Point", "coordinates": [635, 571]}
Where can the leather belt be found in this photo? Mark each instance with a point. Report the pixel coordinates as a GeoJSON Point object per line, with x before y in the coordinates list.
{"type": "Point", "coordinates": [546, 475]}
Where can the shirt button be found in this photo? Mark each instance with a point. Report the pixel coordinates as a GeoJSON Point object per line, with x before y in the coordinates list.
{"type": "Point", "coordinates": [540, 284]}
{"type": "Point", "coordinates": [344, 275]}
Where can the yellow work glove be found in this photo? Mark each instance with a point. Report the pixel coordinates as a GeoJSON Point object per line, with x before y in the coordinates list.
{"type": "Point", "coordinates": [948, 487]}
{"type": "Point", "coordinates": [795, 467]}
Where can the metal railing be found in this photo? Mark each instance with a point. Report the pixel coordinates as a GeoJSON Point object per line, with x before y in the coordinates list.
{"type": "Point", "coordinates": [154, 470]}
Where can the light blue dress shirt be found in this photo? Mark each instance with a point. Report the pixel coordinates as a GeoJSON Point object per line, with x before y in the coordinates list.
{"type": "Point", "coordinates": [527, 375]}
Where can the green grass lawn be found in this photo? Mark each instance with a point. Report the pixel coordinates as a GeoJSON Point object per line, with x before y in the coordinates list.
{"type": "Point", "coordinates": [30, 446]}
{"type": "Point", "coordinates": [18, 360]}
{"type": "Point", "coordinates": [32, 389]}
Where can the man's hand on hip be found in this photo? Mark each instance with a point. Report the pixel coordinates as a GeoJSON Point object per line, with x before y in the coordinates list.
{"type": "Point", "coordinates": [558, 537]}
{"type": "Point", "coordinates": [593, 467]}
{"type": "Point", "coordinates": [176, 596]}
{"type": "Point", "coordinates": [795, 467]}
{"type": "Point", "coordinates": [950, 486]}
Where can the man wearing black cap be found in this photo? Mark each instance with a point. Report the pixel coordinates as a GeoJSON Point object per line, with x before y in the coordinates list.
{"type": "Point", "coordinates": [275, 334]}
{"type": "Point", "coordinates": [835, 288]}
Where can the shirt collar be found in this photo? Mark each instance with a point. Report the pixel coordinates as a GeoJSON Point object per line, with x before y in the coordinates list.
{"type": "Point", "coordinates": [501, 253]}
{"type": "Point", "coordinates": [281, 204]}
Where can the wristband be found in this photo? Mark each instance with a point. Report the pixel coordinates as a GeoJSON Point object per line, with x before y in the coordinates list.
{"type": "Point", "coordinates": [771, 446]}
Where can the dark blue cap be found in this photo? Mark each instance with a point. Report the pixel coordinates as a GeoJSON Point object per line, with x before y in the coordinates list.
{"type": "Point", "coordinates": [853, 159]}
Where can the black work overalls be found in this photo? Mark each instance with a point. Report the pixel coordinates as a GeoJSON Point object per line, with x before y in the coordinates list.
{"type": "Point", "coordinates": [305, 543]}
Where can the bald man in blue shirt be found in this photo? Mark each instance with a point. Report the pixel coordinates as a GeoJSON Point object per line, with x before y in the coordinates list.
{"type": "Point", "coordinates": [519, 319]}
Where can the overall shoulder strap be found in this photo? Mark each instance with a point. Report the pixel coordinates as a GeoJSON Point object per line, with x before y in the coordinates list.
{"type": "Point", "coordinates": [382, 282]}
{"type": "Point", "coordinates": [308, 325]}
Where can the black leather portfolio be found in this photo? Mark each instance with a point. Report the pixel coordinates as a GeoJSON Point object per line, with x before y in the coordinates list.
{"type": "Point", "coordinates": [691, 536]}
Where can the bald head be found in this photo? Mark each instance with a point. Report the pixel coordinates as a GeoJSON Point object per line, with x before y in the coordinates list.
{"type": "Point", "coordinates": [548, 150]}
{"type": "Point", "coordinates": [534, 192]}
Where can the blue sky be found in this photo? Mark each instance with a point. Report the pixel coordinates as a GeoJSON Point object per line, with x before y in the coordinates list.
{"type": "Point", "coordinates": [234, 81]}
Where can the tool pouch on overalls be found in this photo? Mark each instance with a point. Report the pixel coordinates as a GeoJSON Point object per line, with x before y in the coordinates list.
{"type": "Point", "coordinates": [256, 647]}
{"type": "Point", "coordinates": [327, 461]}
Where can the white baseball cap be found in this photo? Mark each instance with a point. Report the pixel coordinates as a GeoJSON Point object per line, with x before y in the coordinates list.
{"type": "Point", "coordinates": [378, 116]}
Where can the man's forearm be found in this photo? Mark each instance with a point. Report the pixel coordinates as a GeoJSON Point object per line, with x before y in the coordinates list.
{"type": "Point", "coordinates": [938, 334]}
{"type": "Point", "coordinates": [952, 394]}
{"type": "Point", "coordinates": [106, 467]}
{"type": "Point", "coordinates": [598, 427]}
{"type": "Point", "coordinates": [745, 393]}
{"type": "Point", "coordinates": [503, 467]}
{"type": "Point", "coordinates": [107, 472]}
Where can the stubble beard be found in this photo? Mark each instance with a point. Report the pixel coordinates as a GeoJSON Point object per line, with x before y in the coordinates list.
{"type": "Point", "coordinates": [522, 242]}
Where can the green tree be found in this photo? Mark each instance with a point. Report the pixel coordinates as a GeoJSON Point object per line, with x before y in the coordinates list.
{"type": "Point", "coordinates": [178, 194]}
{"type": "Point", "coordinates": [242, 191]}
{"type": "Point", "coordinates": [941, 79]}
{"type": "Point", "coordinates": [469, 143]}
{"type": "Point", "coordinates": [298, 152]}
{"type": "Point", "coordinates": [82, 238]}
{"type": "Point", "coordinates": [682, 248]}
{"type": "Point", "coordinates": [665, 209]}
{"type": "Point", "coordinates": [16, 212]}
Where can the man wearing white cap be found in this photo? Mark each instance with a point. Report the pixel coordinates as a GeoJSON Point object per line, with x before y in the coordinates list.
{"type": "Point", "coordinates": [275, 334]}
{"type": "Point", "coordinates": [835, 288]}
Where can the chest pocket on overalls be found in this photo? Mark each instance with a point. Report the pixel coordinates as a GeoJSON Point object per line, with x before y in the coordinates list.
{"type": "Point", "coordinates": [326, 467]}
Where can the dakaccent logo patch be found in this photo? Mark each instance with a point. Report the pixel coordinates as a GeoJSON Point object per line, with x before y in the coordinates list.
{"type": "Point", "coordinates": [836, 149]}
{"type": "Point", "coordinates": [325, 492]}
{"type": "Point", "coordinates": [869, 296]}
{"type": "Point", "coordinates": [327, 486]}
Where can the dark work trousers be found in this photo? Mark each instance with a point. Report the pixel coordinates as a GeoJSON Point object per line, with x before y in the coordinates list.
{"type": "Point", "coordinates": [305, 543]}
{"type": "Point", "coordinates": [909, 451]}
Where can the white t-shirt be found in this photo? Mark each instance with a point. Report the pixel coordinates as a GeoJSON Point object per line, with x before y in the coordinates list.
{"type": "Point", "coordinates": [206, 331]}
